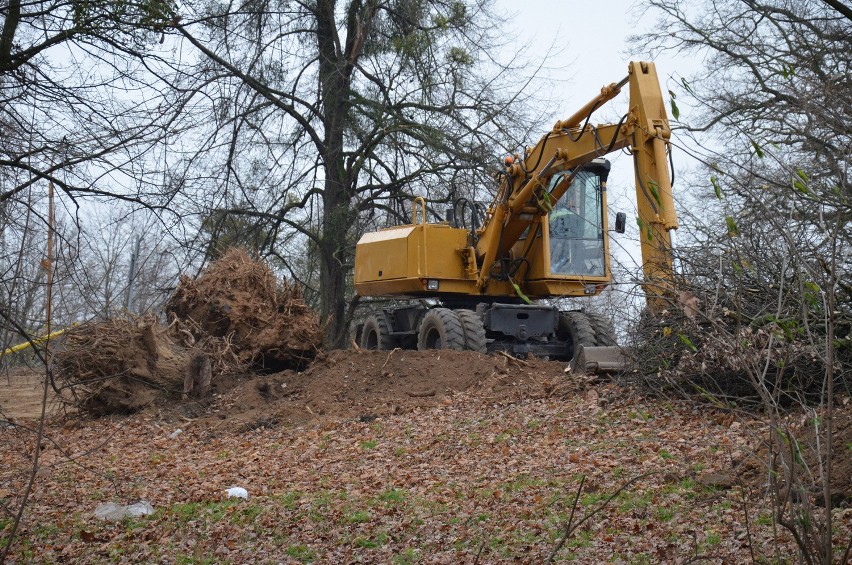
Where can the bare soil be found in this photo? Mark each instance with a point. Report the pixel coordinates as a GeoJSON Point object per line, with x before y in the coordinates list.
{"type": "Point", "coordinates": [21, 394]}
{"type": "Point", "coordinates": [366, 384]}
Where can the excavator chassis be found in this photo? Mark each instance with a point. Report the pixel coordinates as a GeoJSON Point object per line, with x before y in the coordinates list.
{"type": "Point", "coordinates": [582, 338]}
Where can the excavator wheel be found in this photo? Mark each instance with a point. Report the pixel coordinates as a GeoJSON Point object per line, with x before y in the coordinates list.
{"type": "Point", "coordinates": [594, 348]}
{"type": "Point", "coordinates": [441, 328]}
{"type": "Point", "coordinates": [602, 326]}
{"type": "Point", "coordinates": [474, 331]}
{"type": "Point", "coordinates": [576, 328]}
{"type": "Point", "coordinates": [376, 334]}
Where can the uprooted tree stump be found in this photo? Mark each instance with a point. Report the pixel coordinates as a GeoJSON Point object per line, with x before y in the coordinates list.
{"type": "Point", "coordinates": [239, 298]}
{"type": "Point", "coordinates": [234, 316]}
{"type": "Point", "coordinates": [121, 365]}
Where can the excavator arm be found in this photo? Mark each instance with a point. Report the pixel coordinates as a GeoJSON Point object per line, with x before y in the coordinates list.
{"type": "Point", "coordinates": [525, 195]}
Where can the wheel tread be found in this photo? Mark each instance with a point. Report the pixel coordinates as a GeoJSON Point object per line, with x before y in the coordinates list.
{"type": "Point", "coordinates": [474, 331]}
{"type": "Point", "coordinates": [376, 323]}
{"type": "Point", "coordinates": [452, 336]}
{"type": "Point", "coordinates": [602, 326]}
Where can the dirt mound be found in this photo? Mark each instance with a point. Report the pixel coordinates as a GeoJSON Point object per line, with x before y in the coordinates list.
{"type": "Point", "coordinates": [268, 325]}
{"type": "Point", "coordinates": [366, 384]}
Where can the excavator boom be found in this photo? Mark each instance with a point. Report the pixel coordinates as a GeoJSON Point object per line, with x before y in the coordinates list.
{"type": "Point", "coordinates": [523, 196]}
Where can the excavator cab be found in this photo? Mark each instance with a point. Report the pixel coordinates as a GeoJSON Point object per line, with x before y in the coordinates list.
{"type": "Point", "coordinates": [576, 224]}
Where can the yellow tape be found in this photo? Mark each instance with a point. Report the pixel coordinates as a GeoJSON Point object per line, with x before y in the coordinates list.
{"type": "Point", "coordinates": [42, 339]}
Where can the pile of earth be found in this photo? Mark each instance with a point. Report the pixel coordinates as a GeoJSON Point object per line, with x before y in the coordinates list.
{"type": "Point", "coordinates": [368, 384]}
{"type": "Point", "coordinates": [232, 320]}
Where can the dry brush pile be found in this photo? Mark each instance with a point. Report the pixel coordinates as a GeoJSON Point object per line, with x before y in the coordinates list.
{"type": "Point", "coordinates": [234, 318]}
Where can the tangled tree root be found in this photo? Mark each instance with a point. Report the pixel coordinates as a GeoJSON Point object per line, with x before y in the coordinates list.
{"type": "Point", "coordinates": [233, 317]}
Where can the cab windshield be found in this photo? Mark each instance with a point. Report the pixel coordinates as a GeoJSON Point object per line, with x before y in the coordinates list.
{"type": "Point", "coordinates": [576, 228]}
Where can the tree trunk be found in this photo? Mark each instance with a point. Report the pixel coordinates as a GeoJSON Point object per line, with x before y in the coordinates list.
{"type": "Point", "coordinates": [333, 268]}
{"type": "Point", "coordinates": [338, 216]}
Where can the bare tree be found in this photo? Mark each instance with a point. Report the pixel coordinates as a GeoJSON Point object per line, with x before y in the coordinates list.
{"type": "Point", "coordinates": [87, 106]}
{"type": "Point", "coordinates": [328, 116]}
{"type": "Point", "coordinates": [772, 127]}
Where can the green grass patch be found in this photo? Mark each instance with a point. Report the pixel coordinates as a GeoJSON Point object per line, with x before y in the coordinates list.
{"type": "Point", "coordinates": [593, 498]}
{"type": "Point", "coordinates": [369, 444]}
{"type": "Point", "coordinates": [392, 497]}
{"type": "Point", "coordinates": [630, 501]}
{"type": "Point", "coordinates": [580, 539]}
{"type": "Point", "coordinates": [665, 514]}
{"type": "Point", "coordinates": [290, 500]}
{"type": "Point", "coordinates": [522, 482]}
{"type": "Point", "coordinates": [181, 559]}
{"type": "Point", "coordinates": [713, 539]}
{"type": "Point", "coordinates": [373, 542]}
{"type": "Point", "coordinates": [408, 556]}
{"type": "Point", "coordinates": [301, 553]}
{"type": "Point", "coordinates": [357, 517]}
{"type": "Point", "coordinates": [247, 514]}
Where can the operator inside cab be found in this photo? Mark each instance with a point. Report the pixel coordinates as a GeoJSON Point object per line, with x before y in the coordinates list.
{"type": "Point", "coordinates": [576, 233]}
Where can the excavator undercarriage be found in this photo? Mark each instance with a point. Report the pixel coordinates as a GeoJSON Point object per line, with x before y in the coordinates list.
{"type": "Point", "coordinates": [584, 338]}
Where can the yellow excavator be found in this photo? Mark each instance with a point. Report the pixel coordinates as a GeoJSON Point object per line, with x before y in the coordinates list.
{"type": "Point", "coordinates": [545, 235]}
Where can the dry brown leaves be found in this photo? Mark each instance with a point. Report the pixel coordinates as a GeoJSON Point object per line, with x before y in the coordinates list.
{"type": "Point", "coordinates": [478, 473]}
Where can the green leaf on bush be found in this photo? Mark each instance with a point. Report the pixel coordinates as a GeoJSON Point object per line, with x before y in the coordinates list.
{"type": "Point", "coordinates": [800, 186]}
{"type": "Point", "coordinates": [758, 151]}
{"type": "Point", "coordinates": [733, 230]}
{"type": "Point", "coordinates": [687, 342]}
{"type": "Point", "coordinates": [716, 188]}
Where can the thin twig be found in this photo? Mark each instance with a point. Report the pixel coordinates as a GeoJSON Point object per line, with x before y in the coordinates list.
{"type": "Point", "coordinates": [515, 359]}
{"type": "Point", "coordinates": [569, 529]}
{"type": "Point", "coordinates": [389, 356]}
{"type": "Point", "coordinates": [479, 553]}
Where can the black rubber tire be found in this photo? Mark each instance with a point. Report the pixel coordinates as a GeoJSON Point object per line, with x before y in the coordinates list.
{"type": "Point", "coordinates": [474, 331]}
{"type": "Point", "coordinates": [604, 332]}
{"type": "Point", "coordinates": [376, 334]}
{"type": "Point", "coordinates": [441, 328]}
{"type": "Point", "coordinates": [576, 329]}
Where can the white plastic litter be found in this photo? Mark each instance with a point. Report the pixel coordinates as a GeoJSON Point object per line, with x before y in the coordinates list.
{"type": "Point", "coordinates": [116, 512]}
{"type": "Point", "coordinates": [175, 433]}
{"type": "Point", "coordinates": [237, 492]}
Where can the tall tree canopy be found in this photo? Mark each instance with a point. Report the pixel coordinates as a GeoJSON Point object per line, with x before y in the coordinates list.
{"type": "Point", "coordinates": [309, 120]}
{"type": "Point", "coordinates": [85, 105]}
